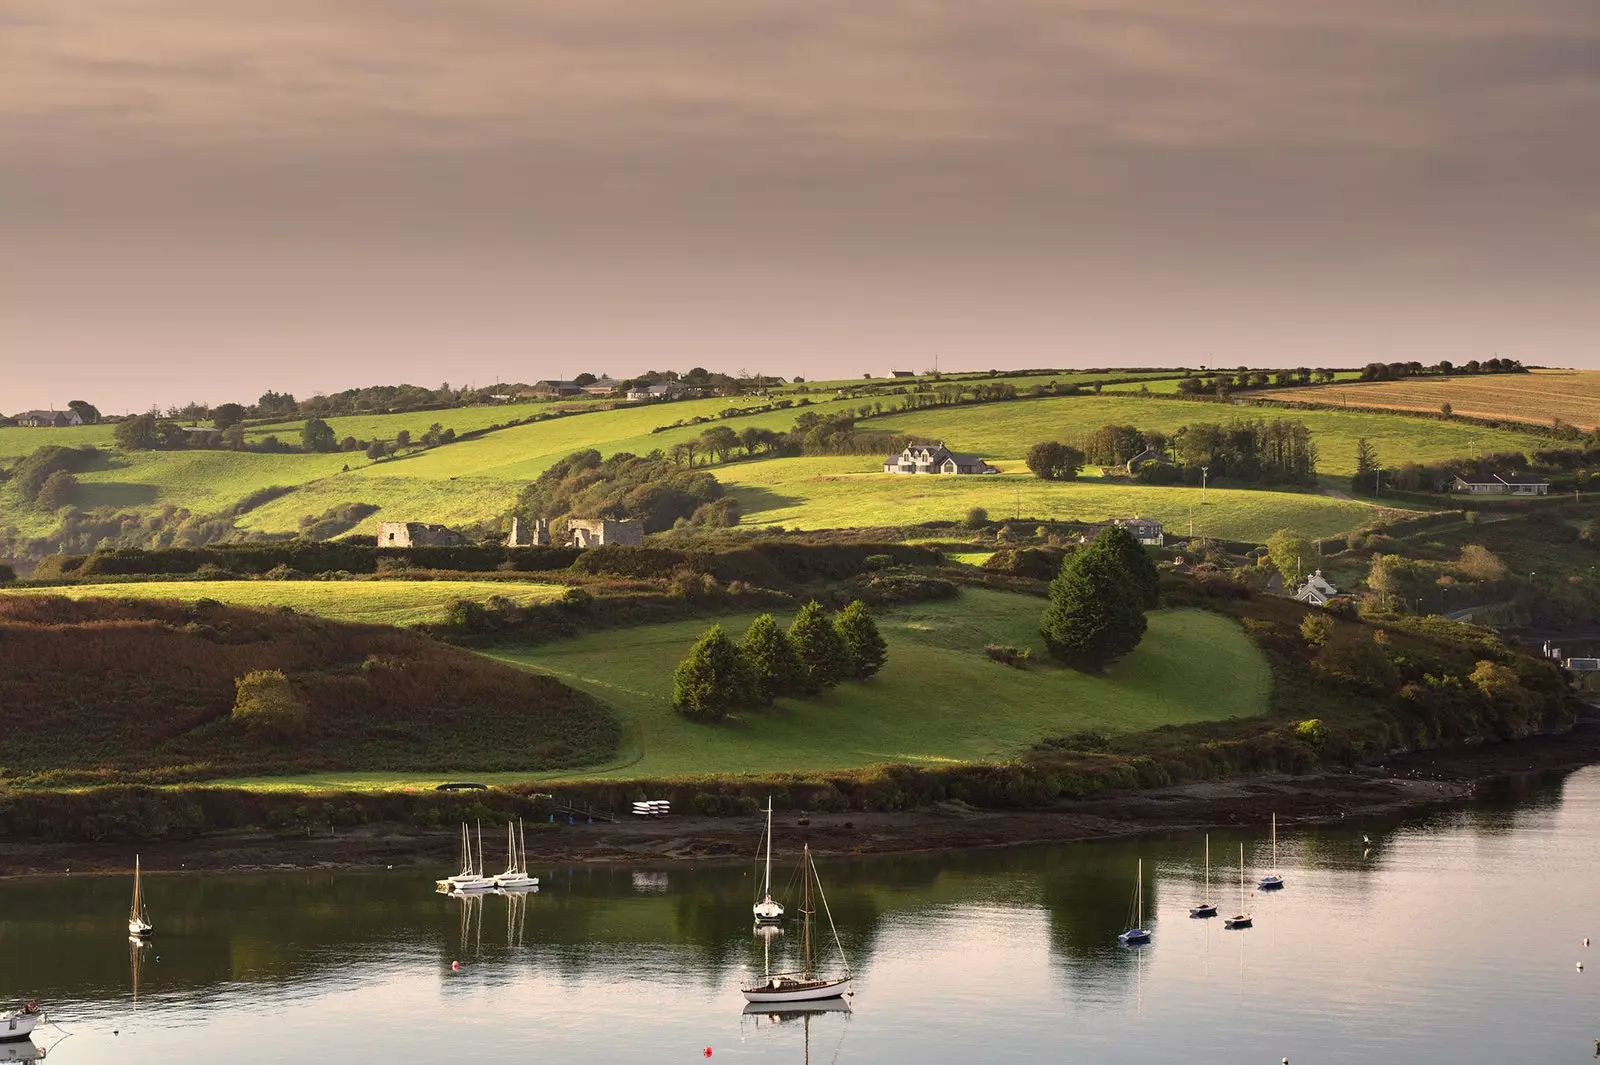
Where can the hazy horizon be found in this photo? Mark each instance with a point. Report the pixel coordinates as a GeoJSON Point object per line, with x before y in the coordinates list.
{"type": "Point", "coordinates": [205, 202]}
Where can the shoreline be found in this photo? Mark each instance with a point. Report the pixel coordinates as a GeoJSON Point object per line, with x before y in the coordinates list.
{"type": "Point", "coordinates": [1399, 785]}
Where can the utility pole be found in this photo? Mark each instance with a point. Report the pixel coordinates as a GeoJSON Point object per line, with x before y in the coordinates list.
{"type": "Point", "coordinates": [1017, 515]}
{"type": "Point", "coordinates": [1203, 471]}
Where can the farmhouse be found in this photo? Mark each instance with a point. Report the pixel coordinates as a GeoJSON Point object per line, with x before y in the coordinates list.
{"type": "Point", "coordinates": [603, 386]}
{"type": "Point", "coordinates": [1316, 590]}
{"type": "Point", "coordinates": [595, 532]}
{"type": "Point", "coordinates": [935, 458]}
{"type": "Point", "coordinates": [552, 390]}
{"type": "Point", "coordinates": [660, 390]}
{"type": "Point", "coordinates": [49, 419]}
{"type": "Point", "coordinates": [1147, 457]}
{"type": "Point", "coordinates": [417, 534]}
{"type": "Point", "coordinates": [1145, 530]}
{"type": "Point", "coordinates": [1502, 484]}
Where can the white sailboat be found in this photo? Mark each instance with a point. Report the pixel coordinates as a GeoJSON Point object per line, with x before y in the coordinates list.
{"type": "Point", "coordinates": [805, 985]}
{"type": "Point", "coordinates": [768, 911]}
{"type": "Point", "coordinates": [1242, 919]}
{"type": "Point", "coordinates": [138, 916]}
{"type": "Point", "coordinates": [1272, 881]}
{"type": "Point", "coordinates": [1137, 933]}
{"type": "Point", "coordinates": [17, 1024]}
{"type": "Point", "coordinates": [1205, 909]}
{"type": "Point", "coordinates": [516, 877]}
{"type": "Point", "coordinates": [471, 877]}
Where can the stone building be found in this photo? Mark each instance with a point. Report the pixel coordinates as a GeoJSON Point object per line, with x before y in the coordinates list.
{"type": "Point", "coordinates": [540, 537]}
{"type": "Point", "coordinates": [594, 532]}
{"type": "Point", "coordinates": [417, 534]}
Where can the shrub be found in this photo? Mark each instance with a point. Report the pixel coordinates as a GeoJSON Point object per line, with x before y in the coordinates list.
{"type": "Point", "coordinates": [266, 704]}
{"type": "Point", "coordinates": [1313, 731]}
{"type": "Point", "coordinates": [1315, 629]}
{"type": "Point", "coordinates": [1017, 657]}
{"type": "Point", "coordinates": [7, 574]}
{"type": "Point", "coordinates": [977, 518]}
{"type": "Point", "coordinates": [713, 680]}
{"type": "Point", "coordinates": [824, 658]}
{"type": "Point", "coordinates": [861, 638]}
{"type": "Point", "coordinates": [1054, 462]}
{"type": "Point", "coordinates": [58, 490]}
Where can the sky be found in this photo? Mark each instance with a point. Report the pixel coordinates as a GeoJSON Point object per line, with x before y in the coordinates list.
{"type": "Point", "coordinates": [203, 200]}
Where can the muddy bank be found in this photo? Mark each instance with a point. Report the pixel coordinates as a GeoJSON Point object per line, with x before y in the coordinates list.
{"type": "Point", "coordinates": [1401, 784]}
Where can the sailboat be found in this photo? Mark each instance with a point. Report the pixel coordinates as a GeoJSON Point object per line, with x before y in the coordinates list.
{"type": "Point", "coordinates": [471, 877]}
{"type": "Point", "coordinates": [516, 877]}
{"type": "Point", "coordinates": [18, 1024]}
{"type": "Point", "coordinates": [806, 985]}
{"type": "Point", "coordinates": [1205, 909]}
{"type": "Point", "coordinates": [138, 917]}
{"type": "Point", "coordinates": [767, 911]}
{"type": "Point", "coordinates": [1272, 881]}
{"type": "Point", "coordinates": [1136, 933]}
{"type": "Point", "coordinates": [1242, 919]}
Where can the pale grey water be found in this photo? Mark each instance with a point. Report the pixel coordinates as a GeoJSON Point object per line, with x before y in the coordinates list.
{"type": "Point", "coordinates": [1454, 940]}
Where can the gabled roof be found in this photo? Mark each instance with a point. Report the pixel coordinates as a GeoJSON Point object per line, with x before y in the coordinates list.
{"type": "Point", "coordinates": [964, 459]}
{"type": "Point", "coordinates": [1519, 478]}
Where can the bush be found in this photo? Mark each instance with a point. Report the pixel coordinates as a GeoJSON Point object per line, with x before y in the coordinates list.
{"type": "Point", "coordinates": [713, 680]}
{"type": "Point", "coordinates": [58, 490]}
{"type": "Point", "coordinates": [862, 641]}
{"type": "Point", "coordinates": [266, 704]}
{"type": "Point", "coordinates": [977, 518]}
{"type": "Point", "coordinates": [1016, 657]}
{"type": "Point", "coordinates": [1315, 629]}
{"type": "Point", "coordinates": [1313, 731]}
{"type": "Point", "coordinates": [7, 574]}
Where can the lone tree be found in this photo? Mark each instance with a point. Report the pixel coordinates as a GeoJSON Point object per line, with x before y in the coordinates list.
{"type": "Point", "coordinates": [712, 681]}
{"type": "Point", "coordinates": [1291, 554]}
{"type": "Point", "coordinates": [265, 703]}
{"type": "Point", "coordinates": [1144, 579]}
{"type": "Point", "coordinates": [773, 668]}
{"type": "Point", "coordinates": [86, 410]}
{"type": "Point", "coordinates": [824, 658]}
{"type": "Point", "coordinates": [136, 434]}
{"type": "Point", "coordinates": [1051, 461]}
{"type": "Point", "coordinates": [861, 638]}
{"type": "Point", "coordinates": [318, 435]}
{"type": "Point", "coordinates": [1365, 481]}
{"type": "Point", "coordinates": [1095, 615]}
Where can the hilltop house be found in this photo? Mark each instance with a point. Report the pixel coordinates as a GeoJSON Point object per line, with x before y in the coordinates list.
{"type": "Point", "coordinates": [1316, 590]}
{"type": "Point", "coordinates": [596, 532]}
{"type": "Point", "coordinates": [935, 458]}
{"type": "Point", "coordinates": [603, 386]}
{"type": "Point", "coordinates": [49, 419]}
{"type": "Point", "coordinates": [659, 390]}
{"type": "Point", "coordinates": [1502, 484]}
{"type": "Point", "coordinates": [417, 534]}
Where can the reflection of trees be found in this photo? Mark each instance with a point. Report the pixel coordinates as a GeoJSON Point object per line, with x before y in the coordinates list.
{"type": "Point", "coordinates": [1087, 890]}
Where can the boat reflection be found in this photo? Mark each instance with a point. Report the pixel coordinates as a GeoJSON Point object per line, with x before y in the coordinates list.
{"type": "Point", "coordinates": [23, 1050]}
{"type": "Point", "coordinates": [766, 1014]}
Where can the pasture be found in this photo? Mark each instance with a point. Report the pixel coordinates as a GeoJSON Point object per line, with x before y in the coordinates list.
{"type": "Point", "coordinates": [374, 602]}
{"type": "Point", "coordinates": [1538, 397]}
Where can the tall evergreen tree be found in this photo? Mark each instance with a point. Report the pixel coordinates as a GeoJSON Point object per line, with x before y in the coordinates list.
{"type": "Point", "coordinates": [1095, 615]}
{"type": "Point", "coordinates": [824, 659]}
{"type": "Point", "coordinates": [1130, 554]}
{"type": "Point", "coordinates": [712, 681]}
{"type": "Point", "coordinates": [1365, 481]}
{"type": "Point", "coordinates": [773, 668]}
{"type": "Point", "coordinates": [861, 638]}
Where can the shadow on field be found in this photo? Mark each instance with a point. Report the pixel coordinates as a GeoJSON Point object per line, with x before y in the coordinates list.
{"type": "Point", "coordinates": [90, 496]}
{"type": "Point", "coordinates": [754, 500]}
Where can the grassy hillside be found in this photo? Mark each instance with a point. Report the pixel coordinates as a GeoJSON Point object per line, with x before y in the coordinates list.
{"type": "Point", "coordinates": [939, 700]}
{"type": "Point", "coordinates": [822, 493]}
{"type": "Point", "coordinates": [1538, 397]}
{"type": "Point", "coordinates": [113, 689]}
{"type": "Point", "coordinates": [385, 602]}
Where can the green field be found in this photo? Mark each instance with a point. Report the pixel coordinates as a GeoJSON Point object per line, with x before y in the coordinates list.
{"type": "Point", "coordinates": [385, 602]}
{"type": "Point", "coordinates": [826, 493]}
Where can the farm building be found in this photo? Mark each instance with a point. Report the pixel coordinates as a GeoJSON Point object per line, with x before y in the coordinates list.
{"type": "Point", "coordinates": [603, 386]}
{"type": "Point", "coordinates": [901, 373]}
{"type": "Point", "coordinates": [552, 390]}
{"type": "Point", "coordinates": [49, 419]}
{"type": "Point", "coordinates": [1502, 484]}
{"type": "Point", "coordinates": [1145, 530]}
{"type": "Point", "coordinates": [595, 532]}
{"type": "Point", "coordinates": [935, 458]}
{"type": "Point", "coordinates": [1147, 457]}
{"type": "Point", "coordinates": [660, 390]}
{"type": "Point", "coordinates": [417, 534]}
{"type": "Point", "coordinates": [1316, 590]}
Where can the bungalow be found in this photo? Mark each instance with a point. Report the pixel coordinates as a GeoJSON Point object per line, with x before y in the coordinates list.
{"type": "Point", "coordinates": [1316, 590]}
{"type": "Point", "coordinates": [49, 419]}
{"type": "Point", "coordinates": [902, 373]}
{"type": "Point", "coordinates": [1502, 484]}
{"type": "Point", "coordinates": [659, 390]}
{"type": "Point", "coordinates": [935, 458]}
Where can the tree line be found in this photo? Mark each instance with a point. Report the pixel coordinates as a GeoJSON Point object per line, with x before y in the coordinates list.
{"type": "Point", "coordinates": [1252, 451]}
{"type": "Point", "coordinates": [817, 653]}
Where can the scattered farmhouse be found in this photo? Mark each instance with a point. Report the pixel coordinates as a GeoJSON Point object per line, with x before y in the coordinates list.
{"type": "Point", "coordinates": [603, 386]}
{"type": "Point", "coordinates": [659, 390]}
{"type": "Point", "coordinates": [49, 419]}
{"type": "Point", "coordinates": [935, 458]}
{"type": "Point", "coordinates": [595, 532]}
{"type": "Point", "coordinates": [417, 534]}
{"type": "Point", "coordinates": [1316, 590]}
{"type": "Point", "coordinates": [1145, 530]}
{"type": "Point", "coordinates": [1502, 484]}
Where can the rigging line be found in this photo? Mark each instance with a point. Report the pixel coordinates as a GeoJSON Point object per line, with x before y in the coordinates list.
{"type": "Point", "coordinates": [833, 927]}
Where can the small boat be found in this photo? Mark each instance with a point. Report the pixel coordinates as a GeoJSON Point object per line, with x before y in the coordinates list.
{"type": "Point", "coordinates": [17, 1024]}
{"type": "Point", "coordinates": [516, 877]}
{"type": "Point", "coordinates": [1242, 919]}
{"type": "Point", "coordinates": [1136, 933]}
{"type": "Point", "coordinates": [768, 911]}
{"type": "Point", "coordinates": [1205, 909]}
{"type": "Point", "coordinates": [1272, 881]}
{"type": "Point", "coordinates": [805, 985]}
{"type": "Point", "coordinates": [138, 917]}
{"type": "Point", "coordinates": [471, 877]}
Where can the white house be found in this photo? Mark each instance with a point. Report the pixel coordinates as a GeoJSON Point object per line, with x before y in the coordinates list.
{"type": "Point", "coordinates": [935, 458]}
{"type": "Point", "coordinates": [1502, 484]}
{"type": "Point", "coordinates": [1316, 590]}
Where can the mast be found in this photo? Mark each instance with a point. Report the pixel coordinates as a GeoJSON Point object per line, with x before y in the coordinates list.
{"type": "Point", "coordinates": [1138, 894]}
{"type": "Point", "coordinates": [133, 911]}
{"type": "Point", "coordinates": [805, 909]}
{"type": "Point", "coordinates": [480, 848]}
{"type": "Point", "coordinates": [1208, 865]}
{"type": "Point", "coordinates": [766, 884]}
{"type": "Point", "coordinates": [1274, 844]}
{"type": "Point", "coordinates": [522, 848]}
{"type": "Point", "coordinates": [1241, 878]}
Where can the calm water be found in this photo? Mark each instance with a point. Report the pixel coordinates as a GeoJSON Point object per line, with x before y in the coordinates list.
{"type": "Point", "coordinates": [1453, 939]}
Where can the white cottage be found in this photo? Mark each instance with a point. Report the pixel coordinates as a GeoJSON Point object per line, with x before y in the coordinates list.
{"type": "Point", "coordinates": [935, 458]}
{"type": "Point", "coordinates": [1316, 590]}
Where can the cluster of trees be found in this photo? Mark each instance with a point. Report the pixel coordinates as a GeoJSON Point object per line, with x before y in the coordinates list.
{"type": "Point", "coordinates": [651, 489]}
{"type": "Point", "coordinates": [1098, 601]}
{"type": "Point", "coordinates": [1051, 461]}
{"type": "Point", "coordinates": [1244, 379]}
{"type": "Point", "coordinates": [48, 476]}
{"type": "Point", "coordinates": [1254, 451]}
{"type": "Point", "coordinates": [812, 434]}
{"type": "Point", "coordinates": [817, 653]}
{"type": "Point", "coordinates": [1395, 371]}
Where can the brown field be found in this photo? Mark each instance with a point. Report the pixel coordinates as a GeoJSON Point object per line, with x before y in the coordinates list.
{"type": "Point", "coordinates": [1540, 397]}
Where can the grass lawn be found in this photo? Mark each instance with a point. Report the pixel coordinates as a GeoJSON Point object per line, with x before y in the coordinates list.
{"type": "Point", "coordinates": [825, 493]}
{"type": "Point", "coordinates": [387, 602]}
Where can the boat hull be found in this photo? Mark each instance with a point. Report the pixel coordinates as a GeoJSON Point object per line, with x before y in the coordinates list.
{"type": "Point", "coordinates": [1238, 922]}
{"type": "Point", "coordinates": [1270, 883]}
{"type": "Point", "coordinates": [139, 930]}
{"type": "Point", "coordinates": [800, 991]}
{"type": "Point", "coordinates": [16, 1027]}
{"type": "Point", "coordinates": [1203, 911]}
{"type": "Point", "coordinates": [1133, 937]}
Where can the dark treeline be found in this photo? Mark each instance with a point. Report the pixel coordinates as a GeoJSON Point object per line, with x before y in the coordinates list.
{"type": "Point", "coordinates": [1252, 451]}
{"type": "Point", "coordinates": [1396, 371]}
{"type": "Point", "coordinates": [650, 489]}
